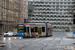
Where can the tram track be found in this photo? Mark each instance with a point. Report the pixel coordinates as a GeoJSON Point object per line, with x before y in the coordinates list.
{"type": "Point", "coordinates": [40, 43]}
{"type": "Point", "coordinates": [45, 45]}
{"type": "Point", "coordinates": [55, 44]}
{"type": "Point", "coordinates": [12, 45]}
{"type": "Point", "coordinates": [30, 44]}
{"type": "Point", "coordinates": [34, 40]}
{"type": "Point", "coordinates": [60, 42]}
{"type": "Point", "coordinates": [23, 43]}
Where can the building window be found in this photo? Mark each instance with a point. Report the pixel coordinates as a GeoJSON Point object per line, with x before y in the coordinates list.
{"type": "Point", "coordinates": [24, 15]}
{"type": "Point", "coordinates": [17, 1]}
{"type": "Point", "coordinates": [16, 21]}
{"type": "Point", "coordinates": [25, 2]}
{"type": "Point", "coordinates": [17, 7]}
{"type": "Point", "coordinates": [24, 9]}
{"type": "Point", "coordinates": [16, 14]}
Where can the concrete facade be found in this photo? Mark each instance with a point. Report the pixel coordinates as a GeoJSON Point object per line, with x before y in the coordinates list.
{"type": "Point", "coordinates": [55, 12]}
{"type": "Point", "coordinates": [30, 11]}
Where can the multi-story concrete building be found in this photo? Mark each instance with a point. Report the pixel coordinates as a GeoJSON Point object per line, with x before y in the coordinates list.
{"type": "Point", "coordinates": [6, 15]}
{"type": "Point", "coordinates": [55, 12]}
{"type": "Point", "coordinates": [20, 11]}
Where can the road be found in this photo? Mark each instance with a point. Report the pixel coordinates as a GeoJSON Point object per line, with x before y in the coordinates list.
{"type": "Point", "coordinates": [57, 42]}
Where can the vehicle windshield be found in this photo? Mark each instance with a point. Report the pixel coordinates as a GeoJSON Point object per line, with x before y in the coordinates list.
{"type": "Point", "coordinates": [20, 29]}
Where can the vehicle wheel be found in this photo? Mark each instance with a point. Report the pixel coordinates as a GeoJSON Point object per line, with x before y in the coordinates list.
{"type": "Point", "coordinates": [34, 36]}
{"type": "Point", "coordinates": [46, 34]}
{"type": "Point", "coordinates": [50, 35]}
{"type": "Point", "coordinates": [39, 36]}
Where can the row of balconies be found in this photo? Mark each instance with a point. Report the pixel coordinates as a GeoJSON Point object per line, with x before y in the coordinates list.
{"type": "Point", "coordinates": [53, 17]}
{"type": "Point", "coordinates": [66, 14]}
{"type": "Point", "coordinates": [49, 1]}
{"type": "Point", "coordinates": [48, 7]}
{"type": "Point", "coordinates": [43, 1]}
{"type": "Point", "coordinates": [54, 10]}
{"type": "Point", "coordinates": [47, 16]}
{"type": "Point", "coordinates": [58, 25]}
{"type": "Point", "coordinates": [62, 20]}
{"type": "Point", "coordinates": [62, 25]}
{"type": "Point", "coordinates": [51, 12]}
{"type": "Point", "coordinates": [44, 14]}
{"type": "Point", "coordinates": [53, 4]}
{"type": "Point", "coordinates": [51, 21]}
{"type": "Point", "coordinates": [59, 28]}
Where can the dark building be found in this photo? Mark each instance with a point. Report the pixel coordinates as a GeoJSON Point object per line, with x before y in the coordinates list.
{"type": "Point", "coordinates": [30, 12]}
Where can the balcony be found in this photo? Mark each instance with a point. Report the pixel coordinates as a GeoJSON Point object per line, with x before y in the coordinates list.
{"type": "Point", "coordinates": [63, 25]}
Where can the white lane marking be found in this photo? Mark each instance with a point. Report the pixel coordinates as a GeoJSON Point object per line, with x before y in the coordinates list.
{"type": "Point", "coordinates": [49, 39]}
{"type": "Point", "coordinates": [57, 39]}
{"type": "Point", "coordinates": [67, 39]}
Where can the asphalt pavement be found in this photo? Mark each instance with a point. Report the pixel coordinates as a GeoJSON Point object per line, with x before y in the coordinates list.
{"type": "Point", "coordinates": [58, 41]}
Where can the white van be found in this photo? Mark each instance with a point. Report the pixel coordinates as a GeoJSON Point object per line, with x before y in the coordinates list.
{"type": "Point", "coordinates": [9, 33]}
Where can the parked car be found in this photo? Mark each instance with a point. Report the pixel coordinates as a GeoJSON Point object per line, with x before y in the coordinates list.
{"type": "Point", "coordinates": [0, 35]}
{"type": "Point", "coordinates": [9, 33]}
{"type": "Point", "coordinates": [14, 33]}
